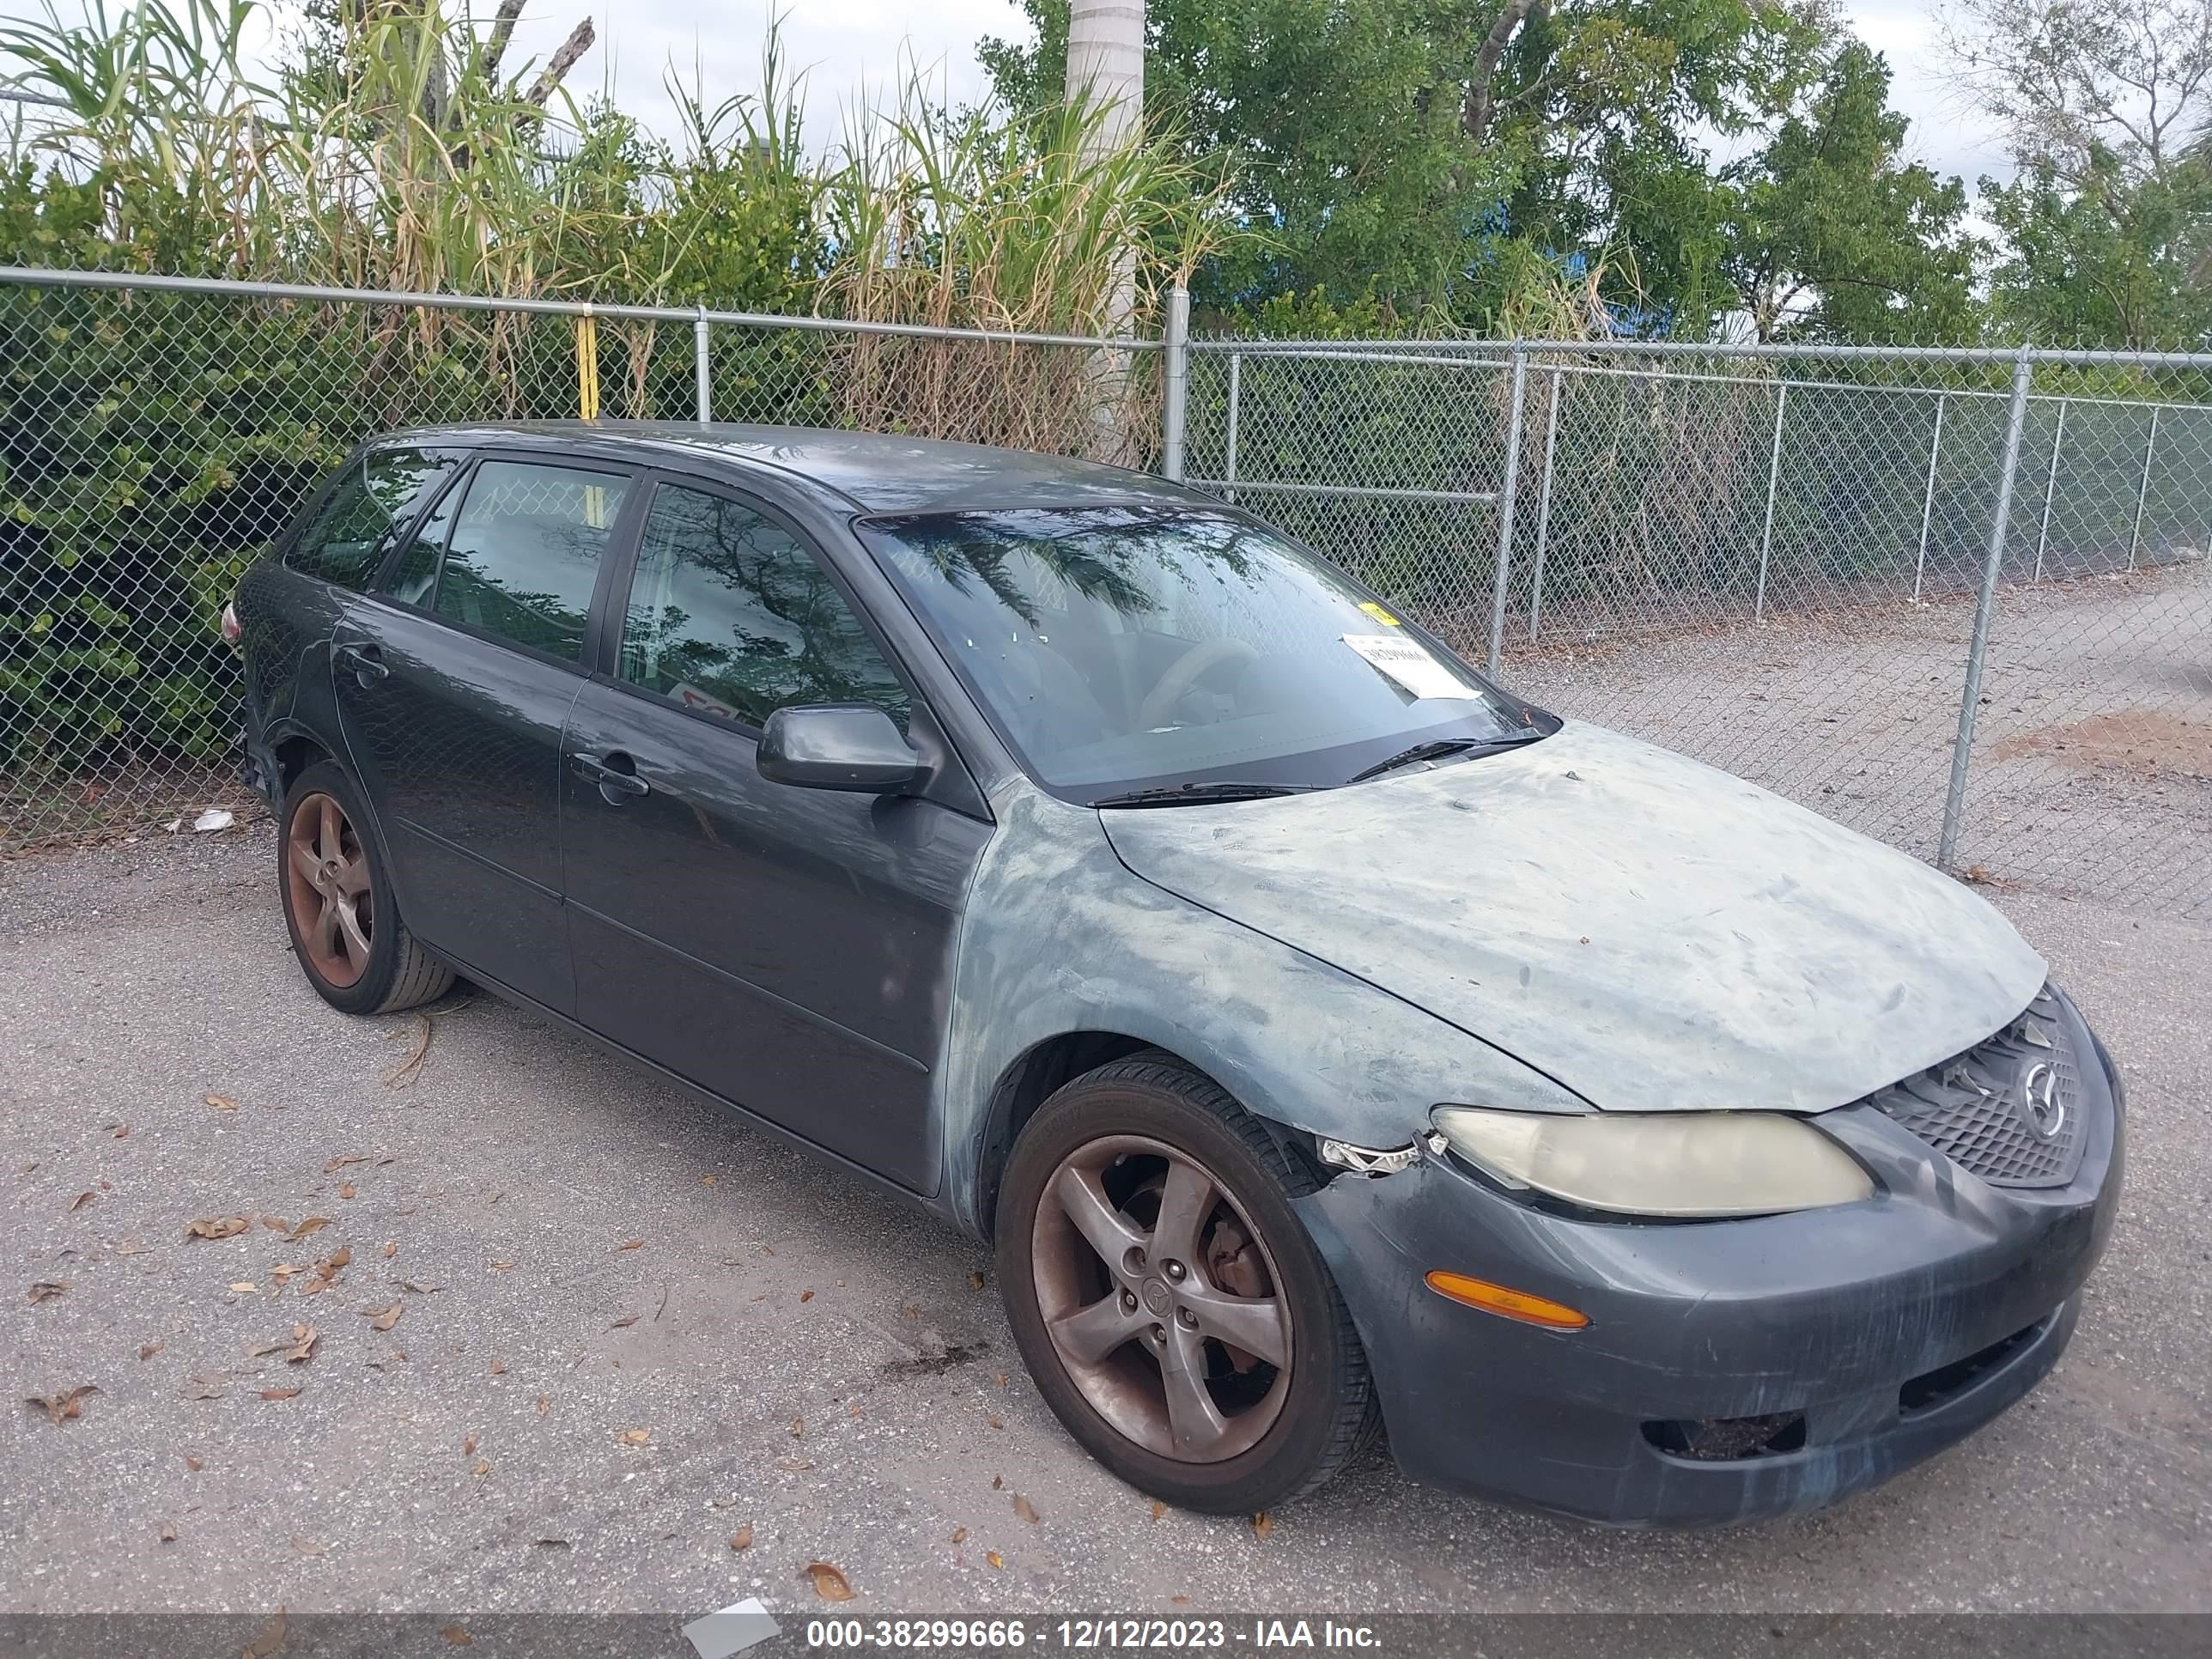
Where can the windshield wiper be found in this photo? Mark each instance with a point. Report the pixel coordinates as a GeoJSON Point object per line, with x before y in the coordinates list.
{"type": "Point", "coordinates": [1438, 747]}
{"type": "Point", "coordinates": [1195, 795]}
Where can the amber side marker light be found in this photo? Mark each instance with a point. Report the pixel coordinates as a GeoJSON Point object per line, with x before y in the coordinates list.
{"type": "Point", "coordinates": [1514, 1305]}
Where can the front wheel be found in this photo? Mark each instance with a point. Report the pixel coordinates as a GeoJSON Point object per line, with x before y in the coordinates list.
{"type": "Point", "coordinates": [346, 930]}
{"type": "Point", "coordinates": [1172, 1308]}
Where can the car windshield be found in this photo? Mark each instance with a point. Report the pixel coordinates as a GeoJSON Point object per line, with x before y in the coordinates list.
{"type": "Point", "coordinates": [1127, 648]}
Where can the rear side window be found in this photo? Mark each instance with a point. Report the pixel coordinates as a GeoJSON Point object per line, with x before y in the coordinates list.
{"type": "Point", "coordinates": [730, 616]}
{"type": "Point", "coordinates": [353, 528]}
{"type": "Point", "coordinates": [525, 550]}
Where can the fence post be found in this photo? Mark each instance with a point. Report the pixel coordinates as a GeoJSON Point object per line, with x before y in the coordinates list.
{"type": "Point", "coordinates": [2049, 488]}
{"type": "Point", "coordinates": [1544, 509]}
{"type": "Point", "coordinates": [2023, 375]}
{"type": "Point", "coordinates": [1175, 381]}
{"type": "Point", "coordinates": [1773, 476]}
{"type": "Point", "coordinates": [1928, 497]}
{"type": "Point", "coordinates": [1235, 393]}
{"type": "Point", "coordinates": [701, 373]}
{"type": "Point", "coordinates": [2143, 489]}
{"type": "Point", "coordinates": [1506, 495]}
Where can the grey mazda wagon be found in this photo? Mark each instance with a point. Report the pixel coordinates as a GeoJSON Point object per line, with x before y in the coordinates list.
{"type": "Point", "coordinates": [1328, 1041]}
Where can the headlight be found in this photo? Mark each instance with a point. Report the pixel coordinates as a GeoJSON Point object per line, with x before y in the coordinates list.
{"type": "Point", "coordinates": [1661, 1163]}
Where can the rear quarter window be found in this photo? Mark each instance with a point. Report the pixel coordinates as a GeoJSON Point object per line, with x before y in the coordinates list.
{"type": "Point", "coordinates": [346, 538]}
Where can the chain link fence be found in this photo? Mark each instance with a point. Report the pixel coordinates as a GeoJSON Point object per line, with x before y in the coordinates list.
{"type": "Point", "coordinates": [155, 434]}
{"type": "Point", "coordinates": [1958, 599]}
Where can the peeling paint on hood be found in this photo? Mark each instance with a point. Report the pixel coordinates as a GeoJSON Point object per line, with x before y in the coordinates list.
{"type": "Point", "coordinates": [1653, 933]}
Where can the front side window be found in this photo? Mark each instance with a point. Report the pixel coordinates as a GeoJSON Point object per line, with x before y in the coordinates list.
{"type": "Point", "coordinates": [731, 615]}
{"type": "Point", "coordinates": [525, 553]}
{"type": "Point", "coordinates": [1126, 648]}
{"type": "Point", "coordinates": [353, 528]}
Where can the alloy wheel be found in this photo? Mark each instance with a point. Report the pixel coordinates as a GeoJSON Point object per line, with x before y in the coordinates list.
{"type": "Point", "coordinates": [328, 888]}
{"type": "Point", "coordinates": [1162, 1300]}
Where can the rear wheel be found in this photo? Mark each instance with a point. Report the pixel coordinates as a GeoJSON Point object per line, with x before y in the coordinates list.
{"type": "Point", "coordinates": [346, 931]}
{"type": "Point", "coordinates": [1174, 1313]}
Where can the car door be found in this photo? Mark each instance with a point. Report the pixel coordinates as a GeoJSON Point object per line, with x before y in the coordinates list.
{"type": "Point", "coordinates": [788, 949]}
{"type": "Point", "coordinates": [452, 684]}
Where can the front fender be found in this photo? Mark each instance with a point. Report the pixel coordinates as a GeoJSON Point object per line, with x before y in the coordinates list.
{"type": "Point", "coordinates": [1060, 936]}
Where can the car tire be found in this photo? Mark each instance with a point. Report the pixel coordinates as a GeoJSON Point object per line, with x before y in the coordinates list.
{"type": "Point", "coordinates": [1147, 1133]}
{"type": "Point", "coordinates": [336, 895]}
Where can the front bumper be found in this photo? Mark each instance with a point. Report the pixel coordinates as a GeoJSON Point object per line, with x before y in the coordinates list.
{"type": "Point", "coordinates": [1877, 1333]}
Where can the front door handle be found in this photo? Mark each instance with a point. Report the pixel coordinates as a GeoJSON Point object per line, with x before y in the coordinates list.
{"type": "Point", "coordinates": [365, 660]}
{"type": "Point", "coordinates": [616, 775]}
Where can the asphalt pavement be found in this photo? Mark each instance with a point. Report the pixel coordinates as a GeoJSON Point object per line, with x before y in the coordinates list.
{"type": "Point", "coordinates": [575, 1336]}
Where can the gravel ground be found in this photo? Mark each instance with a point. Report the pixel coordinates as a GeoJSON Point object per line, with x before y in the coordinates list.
{"type": "Point", "coordinates": [653, 1329]}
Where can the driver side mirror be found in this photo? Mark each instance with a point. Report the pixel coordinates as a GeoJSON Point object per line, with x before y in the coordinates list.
{"type": "Point", "coordinates": [850, 746]}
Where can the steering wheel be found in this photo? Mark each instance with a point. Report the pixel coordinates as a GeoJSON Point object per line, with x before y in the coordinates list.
{"type": "Point", "coordinates": [1184, 672]}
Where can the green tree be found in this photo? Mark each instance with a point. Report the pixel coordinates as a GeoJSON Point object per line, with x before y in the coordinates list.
{"type": "Point", "coordinates": [1833, 233]}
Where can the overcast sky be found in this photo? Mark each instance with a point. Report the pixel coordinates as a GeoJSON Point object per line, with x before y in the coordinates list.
{"type": "Point", "coordinates": [848, 46]}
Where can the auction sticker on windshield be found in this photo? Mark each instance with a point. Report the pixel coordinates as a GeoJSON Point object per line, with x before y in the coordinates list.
{"type": "Point", "coordinates": [1407, 664]}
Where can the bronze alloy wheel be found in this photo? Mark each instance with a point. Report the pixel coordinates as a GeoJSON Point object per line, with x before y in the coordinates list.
{"type": "Point", "coordinates": [328, 888]}
{"type": "Point", "coordinates": [1160, 1298]}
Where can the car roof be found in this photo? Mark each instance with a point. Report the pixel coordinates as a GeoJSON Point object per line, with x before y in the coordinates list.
{"type": "Point", "coordinates": [876, 472]}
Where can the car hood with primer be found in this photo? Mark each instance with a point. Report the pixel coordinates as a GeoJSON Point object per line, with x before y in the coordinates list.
{"type": "Point", "coordinates": [1654, 934]}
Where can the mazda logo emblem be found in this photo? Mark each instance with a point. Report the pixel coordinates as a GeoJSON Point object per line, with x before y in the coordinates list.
{"type": "Point", "coordinates": [2040, 1108]}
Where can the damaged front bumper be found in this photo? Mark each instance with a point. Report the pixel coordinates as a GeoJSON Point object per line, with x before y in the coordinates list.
{"type": "Point", "coordinates": [1730, 1369]}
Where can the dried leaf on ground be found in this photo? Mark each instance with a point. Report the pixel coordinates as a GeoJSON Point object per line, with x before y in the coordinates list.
{"type": "Point", "coordinates": [975, 1281]}
{"type": "Point", "coordinates": [635, 1437]}
{"type": "Point", "coordinates": [742, 1539]}
{"type": "Point", "coordinates": [960, 1534]}
{"type": "Point", "coordinates": [1025, 1509]}
{"type": "Point", "coordinates": [278, 1394]}
{"type": "Point", "coordinates": [501, 1266]}
{"type": "Point", "coordinates": [168, 1532]}
{"type": "Point", "coordinates": [481, 1470]}
{"type": "Point", "coordinates": [625, 1322]}
{"type": "Point", "coordinates": [456, 1635]}
{"type": "Point", "coordinates": [60, 1406]}
{"type": "Point", "coordinates": [543, 1405]}
{"type": "Point", "coordinates": [148, 1350]}
{"type": "Point", "coordinates": [806, 1296]}
{"type": "Point", "coordinates": [499, 1368]}
{"type": "Point", "coordinates": [997, 1482]}
{"type": "Point", "coordinates": [1262, 1524]}
{"type": "Point", "coordinates": [272, 1638]}
{"type": "Point", "coordinates": [632, 1245]}
{"type": "Point", "coordinates": [218, 1226]}
{"type": "Point", "coordinates": [997, 1561]}
{"type": "Point", "coordinates": [408, 1069]}
{"type": "Point", "coordinates": [314, 1223]}
{"type": "Point", "coordinates": [709, 1181]}
{"type": "Point", "coordinates": [203, 1388]}
{"type": "Point", "coordinates": [829, 1584]}
{"type": "Point", "coordinates": [468, 1446]}
{"type": "Point", "coordinates": [417, 1287]}
{"type": "Point", "coordinates": [47, 1289]}
{"type": "Point", "coordinates": [384, 1319]}
{"type": "Point", "coordinates": [309, 1546]}
{"type": "Point", "coordinates": [81, 1200]}
{"type": "Point", "coordinates": [333, 1165]}
{"type": "Point", "coordinates": [994, 1420]}
{"type": "Point", "coordinates": [391, 1248]}
{"type": "Point", "coordinates": [275, 1223]}
{"type": "Point", "coordinates": [221, 1103]}
{"type": "Point", "coordinates": [244, 1287]}
{"type": "Point", "coordinates": [797, 1428]}
{"type": "Point", "coordinates": [304, 1338]}
{"type": "Point", "coordinates": [1158, 1509]}
{"type": "Point", "coordinates": [346, 1189]}
{"type": "Point", "coordinates": [795, 1465]}
{"type": "Point", "coordinates": [193, 1464]}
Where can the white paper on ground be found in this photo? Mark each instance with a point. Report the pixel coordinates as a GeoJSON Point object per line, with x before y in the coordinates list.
{"type": "Point", "coordinates": [1408, 664]}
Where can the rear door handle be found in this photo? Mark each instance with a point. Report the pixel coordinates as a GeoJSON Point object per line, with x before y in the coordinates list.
{"type": "Point", "coordinates": [365, 660]}
{"type": "Point", "coordinates": [617, 783]}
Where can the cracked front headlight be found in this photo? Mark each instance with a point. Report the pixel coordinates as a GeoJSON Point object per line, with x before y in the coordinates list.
{"type": "Point", "coordinates": [1661, 1163]}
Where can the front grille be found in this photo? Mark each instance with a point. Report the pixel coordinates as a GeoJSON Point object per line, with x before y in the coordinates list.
{"type": "Point", "coordinates": [1991, 1109]}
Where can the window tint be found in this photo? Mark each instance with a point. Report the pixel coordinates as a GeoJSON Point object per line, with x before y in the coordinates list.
{"type": "Point", "coordinates": [525, 553]}
{"type": "Point", "coordinates": [729, 615]}
{"type": "Point", "coordinates": [350, 532]}
{"type": "Point", "coordinates": [415, 572]}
